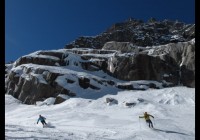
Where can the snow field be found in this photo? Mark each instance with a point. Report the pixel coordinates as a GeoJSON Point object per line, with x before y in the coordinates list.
{"type": "Point", "coordinates": [93, 119]}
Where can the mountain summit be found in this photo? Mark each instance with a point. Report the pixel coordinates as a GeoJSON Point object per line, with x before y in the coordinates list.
{"type": "Point", "coordinates": [139, 33]}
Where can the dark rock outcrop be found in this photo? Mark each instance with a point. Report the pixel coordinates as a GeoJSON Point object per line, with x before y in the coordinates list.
{"type": "Point", "coordinates": [181, 55]}
{"type": "Point", "coordinates": [139, 33]}
{"type": "Point", "coordinates": [33, 87]}
{"type": "Point", "coordinates": [143, 67]}
{"type": "Point", "coordinates": [111, 101]}
{"type": "Point", "coordinates": [129, 104]}
{"type": "Point", "coordinates": [59, 99]}
{"type": "Point", "coordinates": [84, 82]}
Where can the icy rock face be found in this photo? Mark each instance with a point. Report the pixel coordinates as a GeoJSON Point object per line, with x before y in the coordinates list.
{"type": "Point", "coordinates": [82, 71]}
{"type": "Point", "coordinates": [182, 55]}
{"type": "Point", "coordinates": [34, 86]}
{"type": "Point", "coordinates": [143, 67]}
{"type": "Point", "coordinates": [139, 33]}
{"type": "Point", "coordinates": [31, 78]}
{"type": "Point", "coordinates": [42, 57]}
{"type": "Point", "coordinates": [121, 61]}
{"type": "Point", "coordinates": [123, 47]}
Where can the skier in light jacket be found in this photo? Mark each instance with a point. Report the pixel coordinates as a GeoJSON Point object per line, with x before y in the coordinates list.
{"type": "Point", "coordinates": [147, 118]}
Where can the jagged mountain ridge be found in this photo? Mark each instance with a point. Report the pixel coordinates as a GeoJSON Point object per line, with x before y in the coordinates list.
{"type": "Point", "coordinates": [139, 33]}
{"type": "Point", "coordinates": [117, 65]}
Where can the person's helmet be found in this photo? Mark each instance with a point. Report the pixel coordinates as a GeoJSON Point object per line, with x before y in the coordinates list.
{"type": "Point", "coordinates": [145, 112]}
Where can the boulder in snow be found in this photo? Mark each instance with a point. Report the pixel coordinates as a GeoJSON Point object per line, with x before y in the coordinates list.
{"type": "Point", "coordinates": [132, 104]}
{"type": "Point", "coordinates": [61, 98]}
{"type": "Point", "coordinates": [48, 101]}
{"type": "Point", "coordinates": [111, 101]}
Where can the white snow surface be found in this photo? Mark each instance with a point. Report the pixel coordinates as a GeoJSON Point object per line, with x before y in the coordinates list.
{"type": "Point", "coordinates": [92, 119]}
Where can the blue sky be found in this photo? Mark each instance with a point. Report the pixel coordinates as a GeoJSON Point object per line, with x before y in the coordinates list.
{"type": "Point", "coordinates": [32, 25]}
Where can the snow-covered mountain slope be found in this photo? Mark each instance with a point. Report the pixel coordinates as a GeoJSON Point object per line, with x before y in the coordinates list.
{"type": "Point", "coordinates": [94, 119]}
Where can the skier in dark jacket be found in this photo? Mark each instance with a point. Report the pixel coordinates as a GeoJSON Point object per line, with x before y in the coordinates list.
{"type": "Point", "coordinates": [147, 118]}
{"type": "Point", "coordinates": [42, 119]}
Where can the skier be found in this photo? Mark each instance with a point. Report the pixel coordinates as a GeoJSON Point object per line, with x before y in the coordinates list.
{"type": "Point", "coordinates": [42, 119]}
{"type": "Point", "coordinates": [147, 118]}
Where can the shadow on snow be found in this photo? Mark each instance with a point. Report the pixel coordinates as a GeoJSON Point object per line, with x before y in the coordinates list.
{"type": "Point", "coordinates": [168, 131]}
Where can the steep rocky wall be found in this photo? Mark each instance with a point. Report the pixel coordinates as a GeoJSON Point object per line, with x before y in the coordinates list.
{"type": "Point", "coordinates": [181, 54]}
{"type": "Point", "coordinates": [34, 85]}
{"type": "Point", "coordinates": [143, 67]}
{"type": "Point", "coordinates": [139, 33]}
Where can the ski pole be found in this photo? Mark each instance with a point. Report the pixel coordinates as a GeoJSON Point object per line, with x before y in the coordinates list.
{"type": "Point", "coordinates": [140, 128]}
{"type": "Point", "coordinates": [139, 123]}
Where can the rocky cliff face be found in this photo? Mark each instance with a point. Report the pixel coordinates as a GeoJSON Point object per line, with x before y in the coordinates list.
{"type": "Point", "coordinates": [139, 33]}
{"type": "Point", "coordinates": [172, 62]}
{"type": "Point", "coordinates": [108, 65]}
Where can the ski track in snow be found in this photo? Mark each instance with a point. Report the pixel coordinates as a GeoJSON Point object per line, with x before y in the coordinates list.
{"type": "Point", "coordinates": [79, 119]}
